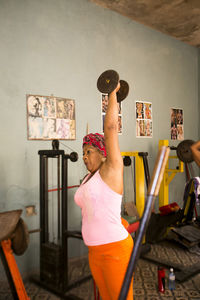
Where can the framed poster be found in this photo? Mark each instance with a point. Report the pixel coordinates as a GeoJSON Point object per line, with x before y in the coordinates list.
{"type": "Point", "coordinates": [50, 117]}
{"type": "Point", "coordinates": [143, 113]}
{"type": "Point", "coordinates": [104, 105]}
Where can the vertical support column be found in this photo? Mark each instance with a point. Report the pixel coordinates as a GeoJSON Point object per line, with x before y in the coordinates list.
{"type": "Point", "coordinates": [164, 187]}
{"type": "Point", "coordinates": [44, 236]}
{"type": "Point", "coordinates": [58, 194]}
{"type": "Point", "coordinates": [140, 184]}
{"type": "Point", "coordinates": [146, 167]}
{"type": "Point", "coordinates": [65, 220]}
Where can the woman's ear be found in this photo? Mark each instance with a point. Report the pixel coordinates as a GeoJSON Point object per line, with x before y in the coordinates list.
{"type": "Point", "coordinates": [103, 159]}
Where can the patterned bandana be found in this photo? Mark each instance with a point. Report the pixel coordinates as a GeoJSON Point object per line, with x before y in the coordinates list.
{"type": "Point", "coordinates": [96, 140]}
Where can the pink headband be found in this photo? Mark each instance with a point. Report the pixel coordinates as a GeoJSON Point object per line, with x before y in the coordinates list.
{"type": "Point", "coordinates": [96, 140]}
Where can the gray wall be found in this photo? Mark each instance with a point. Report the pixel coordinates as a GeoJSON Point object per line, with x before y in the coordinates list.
{"type": "Point", "coordinates": [61, 47]}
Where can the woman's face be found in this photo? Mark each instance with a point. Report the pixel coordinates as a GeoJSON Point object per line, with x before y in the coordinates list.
{"type": "Point", "coordinates": [92, 158]}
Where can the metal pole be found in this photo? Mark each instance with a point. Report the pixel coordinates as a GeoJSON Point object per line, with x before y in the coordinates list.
{"type": "Point", "coordinates": [58, 194]}
{"type": "Point", "coordinates": [65, 219]}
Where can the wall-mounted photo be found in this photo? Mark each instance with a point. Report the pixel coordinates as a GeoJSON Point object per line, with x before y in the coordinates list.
{"type": "Point", "coordinates": [50, 117]}
{"type": "Point", "coordinates": [176, 124]}
{"type": "Point", "coordinates": [144, 124]}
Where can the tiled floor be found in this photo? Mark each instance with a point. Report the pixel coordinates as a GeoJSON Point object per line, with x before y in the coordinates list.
{"type": "Point", "coordinates": [145, 279]}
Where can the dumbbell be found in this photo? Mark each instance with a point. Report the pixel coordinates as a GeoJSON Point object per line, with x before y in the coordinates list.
{"type": "Point", "coordinates": [108, 81]}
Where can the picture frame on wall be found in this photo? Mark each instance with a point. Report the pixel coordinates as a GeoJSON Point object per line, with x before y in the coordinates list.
{"type": "Point", "coordinates": [50, 117]}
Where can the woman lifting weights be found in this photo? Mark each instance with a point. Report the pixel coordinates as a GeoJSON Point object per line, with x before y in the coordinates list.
{"type": "Point", "coordinates": [100, 197]}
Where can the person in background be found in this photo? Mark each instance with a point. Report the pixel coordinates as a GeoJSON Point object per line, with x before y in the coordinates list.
{"type": "Point", "coordinates": [100, 197]}
{"type": "Point", "coordinates": [195, 148]}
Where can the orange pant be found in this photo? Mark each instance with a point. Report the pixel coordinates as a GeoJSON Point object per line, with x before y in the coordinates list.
{"type": "Point", "coordinates": [108, 264]}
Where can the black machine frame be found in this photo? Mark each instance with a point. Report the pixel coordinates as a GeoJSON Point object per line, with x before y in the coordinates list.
{"type": "Point", "coordinates": [54, 257]}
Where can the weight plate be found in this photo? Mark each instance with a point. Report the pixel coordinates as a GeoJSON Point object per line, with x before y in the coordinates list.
{"type": "Point", "coordinates": [123, 91]}
{"type": "Point", "coordinates": [20, 238]}
{"type": "Point", "coordinates": [107, 81]}
{"type": "Point", "coordinates": [127, 161]}
{"type": "Point", "coordinates": [73, 156]}
{"type": "Point", "coordinates": [184, 152]}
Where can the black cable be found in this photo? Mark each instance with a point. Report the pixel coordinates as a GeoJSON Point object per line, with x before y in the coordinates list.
{"type": "Point", "coordinates": [67, 147]}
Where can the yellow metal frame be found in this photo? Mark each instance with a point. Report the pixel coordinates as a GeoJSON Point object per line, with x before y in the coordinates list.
{"type": "Point", "coordinates": [169, 174]}
{"type": "Point", "coordinates": [139, 181]}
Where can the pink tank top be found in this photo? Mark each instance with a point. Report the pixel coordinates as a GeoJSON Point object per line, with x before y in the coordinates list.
{"type": "Point", "coordinates": [101, 212]}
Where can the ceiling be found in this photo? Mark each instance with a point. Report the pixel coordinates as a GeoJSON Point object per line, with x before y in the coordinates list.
{"type": "Point", "coordinates": [177, 18]}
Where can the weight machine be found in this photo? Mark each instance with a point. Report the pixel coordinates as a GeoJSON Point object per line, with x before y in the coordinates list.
{"type": "Point", "coordinates": [169, 174]}
{"type": "Point", "coordinates": [141, 175]}
{"type": "Point", "coordinates": [54, 255]}
{"type": "Point", "coordinates": [152, 192]}
{"type": "Point", "coordinates": [179, 226]}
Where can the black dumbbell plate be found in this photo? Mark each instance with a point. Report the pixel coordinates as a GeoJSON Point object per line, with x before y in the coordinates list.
{"type": "Point", "coordinates": [108, 81]}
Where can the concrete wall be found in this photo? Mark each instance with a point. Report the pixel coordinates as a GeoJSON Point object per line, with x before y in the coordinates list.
{"type": "Point", "coordinates": [61, 47]}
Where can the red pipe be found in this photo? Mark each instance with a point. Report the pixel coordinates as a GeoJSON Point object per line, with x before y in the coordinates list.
{"type": "Point", "coordinates": [69, 187]}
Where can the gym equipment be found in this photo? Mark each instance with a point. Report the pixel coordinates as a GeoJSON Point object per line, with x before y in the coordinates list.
{"type": "Point", "coordinates": [8, 223]}
{"type": "Point", "coordinates": [180, 228]}
{"type": "Point", "coordinates": [15, 229]}
{"type": "Point", "coordinates": [184, 155]}
{"type": "Point", "coordinates": [108, 81]}
{"type": "Point", "coordinates": [123, 91]}
{"type": "Point", "coordinates": [187, 235]}
{"type": "Point", "coordinates": [133, 212]}
{"type": "Point", "coordinates": [127, 161]}
{"type": "Point", "coordinates": [20, 238]}
{"type": "Point", "coordinates": [151, 195]}
{"type": "Point", "coordinates": [191, 198]}
{"type": "Point", "coordinates": [54, 255]}
{"type": "Point", "coordinates": [187, 231]}
{"type": "Point", "coordinates": [169, 174]}
{"type": "Point", "coordinates": [139, 177]}
{"type": "Point", "coordinates": [184, 152]}
{"type": "Point", "coordinates": [11, 236]}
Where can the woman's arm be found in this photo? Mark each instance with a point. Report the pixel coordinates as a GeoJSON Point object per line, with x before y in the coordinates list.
{"type": "Point", "coordinates": [111, 131]}
{"type": "Point", "coordinates": [196, 152]}
{"type": "Point", "coordinates": [112, 169]}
